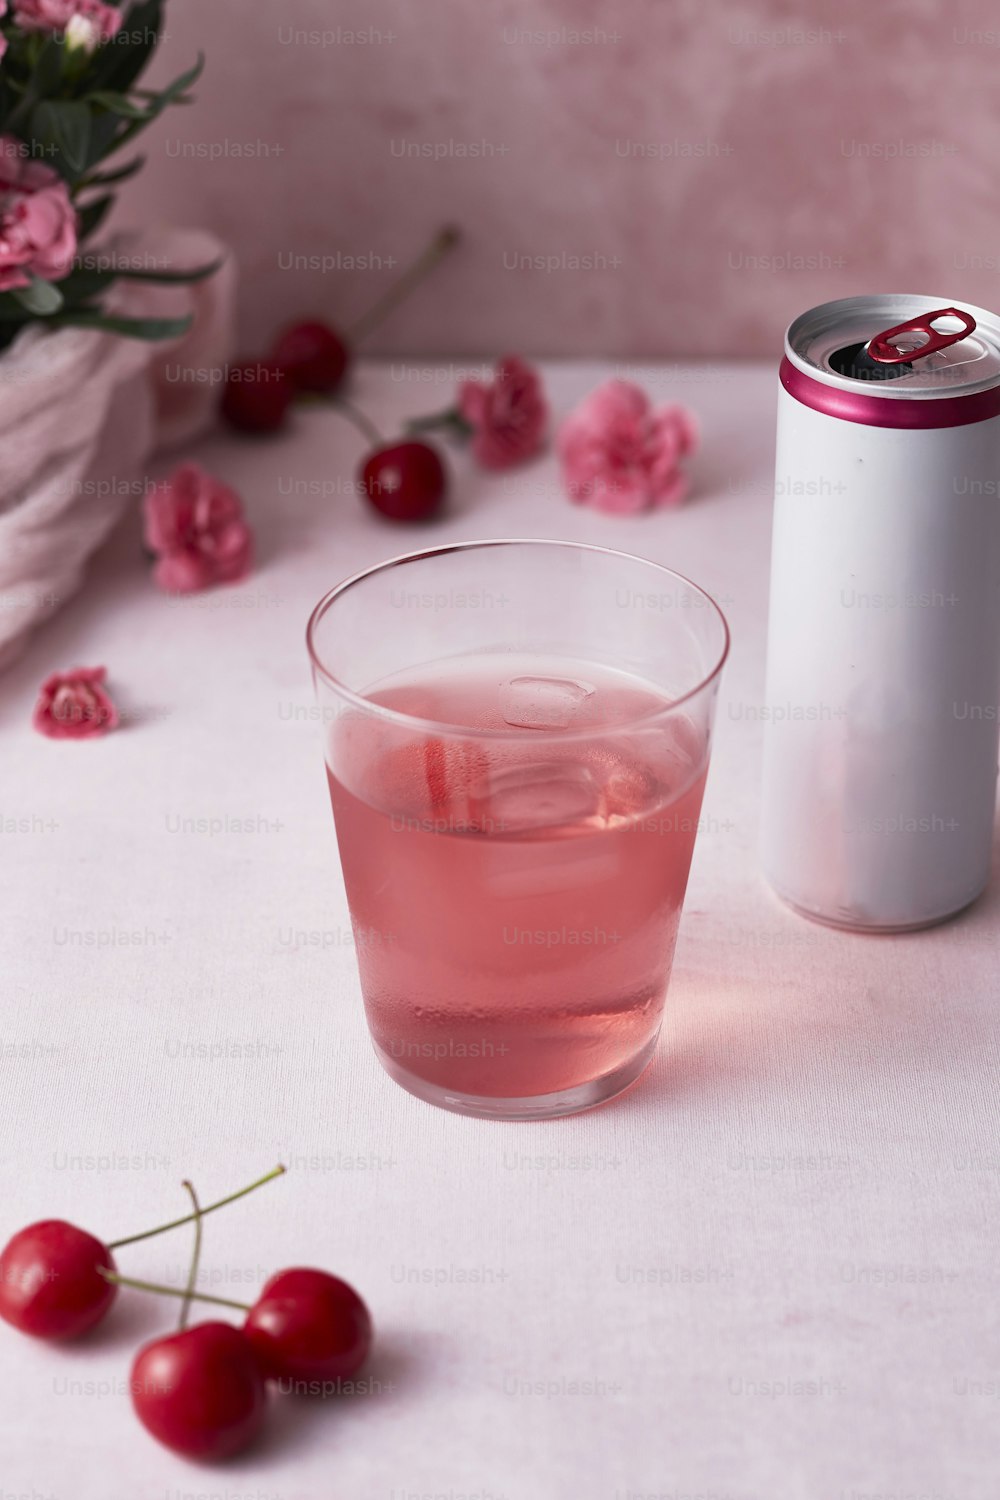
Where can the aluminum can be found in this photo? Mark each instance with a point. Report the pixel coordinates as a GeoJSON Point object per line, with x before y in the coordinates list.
{"type": "Point", "coordinates": [881, 706]}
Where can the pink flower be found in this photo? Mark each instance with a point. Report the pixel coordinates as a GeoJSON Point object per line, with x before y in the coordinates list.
{"type": "Point", "coordinates": [3, 39]}
{"type": "Point", "coordinates": [620, 455]}
{"type": "Point", "coordinates": [74, 706]}
{"type": "Point", "coordinates": [37, 219]}
{"type": "Point", "coordinates": [92, 18]}
{"type": "Point", "coordinates": [196, 526]}
{"type": "Point", "coordinates": [507, 417]}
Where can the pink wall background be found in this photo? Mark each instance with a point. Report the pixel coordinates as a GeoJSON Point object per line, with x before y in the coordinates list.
{"type": "Point", "coordinates": [722, 165]}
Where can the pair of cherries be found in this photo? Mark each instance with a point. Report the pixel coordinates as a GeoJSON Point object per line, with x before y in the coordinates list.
{"type": "Point", "coordinates": [201, 1391]}
{"type": "Point", "coordinates": [308, 359]}
{"type": "Point", "coordinates": [403, 481]}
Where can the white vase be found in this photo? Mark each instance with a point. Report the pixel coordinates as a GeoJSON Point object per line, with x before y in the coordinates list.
{"type": "Point", "coordinates": [82, 412]}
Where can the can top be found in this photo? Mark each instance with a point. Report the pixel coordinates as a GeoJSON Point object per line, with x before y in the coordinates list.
{"type": "Point", "coordinates": [831, 343]}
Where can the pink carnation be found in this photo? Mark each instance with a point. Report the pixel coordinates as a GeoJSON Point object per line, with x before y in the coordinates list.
{"type": "Point", "coordinates": [74, 705]}
{"type": "Point", "coordinates": [621, 455]}
{"type": "Point", "coordinates": [507, 416]}
{"type": "Point", "coordinates": [37, 219]}
{"type": "Point", "coordinates": [195, 525]}
{"type": "Point", "coordinates": [56, 15]}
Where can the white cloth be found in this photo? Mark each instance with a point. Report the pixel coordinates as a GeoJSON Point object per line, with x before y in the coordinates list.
{"type": "Point", "coordinates": [80, 414]}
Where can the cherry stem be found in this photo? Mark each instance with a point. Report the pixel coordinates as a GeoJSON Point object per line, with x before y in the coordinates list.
{"type": "Point", "coordinates": [195, 1258]}
{"type": "Point", "coordinates": [171, 1291]}
{"type": "Point", "coordinates": [364, 424]}
{"type": "Point", "coordinates": [148, 1234]}
{"type": "Point", "coordinates": [443, 241]}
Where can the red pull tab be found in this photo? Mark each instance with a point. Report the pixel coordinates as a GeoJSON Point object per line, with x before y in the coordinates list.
{"type": "Point", "coordinates": [882, 347]}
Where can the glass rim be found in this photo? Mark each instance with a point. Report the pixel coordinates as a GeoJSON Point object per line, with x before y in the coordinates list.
{"type": "Point", "coordinates": [438, 726]}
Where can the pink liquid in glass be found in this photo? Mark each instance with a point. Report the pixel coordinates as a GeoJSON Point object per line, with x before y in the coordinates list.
{"type": "Point", "coordinates": [515, 893]}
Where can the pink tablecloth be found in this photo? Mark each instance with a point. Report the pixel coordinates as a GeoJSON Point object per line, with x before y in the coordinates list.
{"type": "Point", "coordinates": [767, 1272]}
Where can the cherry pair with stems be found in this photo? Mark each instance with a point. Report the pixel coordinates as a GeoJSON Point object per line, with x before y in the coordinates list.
{"type": "Point", "coordinates": [202, 1390]}
{"type": "Point", "coordinates": [404, 480]}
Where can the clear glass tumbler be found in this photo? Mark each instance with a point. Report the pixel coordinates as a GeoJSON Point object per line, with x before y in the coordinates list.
{"type": "Point", "coordinates": [517, 737]}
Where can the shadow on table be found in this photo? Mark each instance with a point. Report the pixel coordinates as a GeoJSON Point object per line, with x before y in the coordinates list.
{"type": "Point", "coordinates": [768, 1005]}
{"type": "Point", "coordinates": [307, 1416]}
{"type": "Point", "coordinates": [133, 1320]}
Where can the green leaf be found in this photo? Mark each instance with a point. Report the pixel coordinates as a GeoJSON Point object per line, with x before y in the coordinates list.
{"type": "Point", "coordinates": [120, 61]}
{"type": "Point", "coordinates": [85, 283]}
{"type": "Point", "coordinates": [92, 215]}
{"type": "Point", "coordinates": [104, 127]}
{"type": "Point", "coordinates": [41, 298]}
{"type": "Point", "coordinates": [169, 95]}
{"type": "Point", "coordinates": [11, 310]}
{"type": "Point", "coordinates": [120, 174]}
{"type": "Point", "coordinates": [117, 104]}
{"type": "Point", "coordinates": [183, 81]}
{"type": "Point", "coordinates": [37, 62]}
{"type": "Point", "coordinates": [9, 91]}
{"type": "Point", "coordinates": [155, 94]}
{"type": "Point", "coordinates": [48, 69]}
{"type": "Point", "coordinates": [173, 278]}
{"type": "Point", "coordinates": [136, 328]}
{"type": "Point", "coordinates": [63, 128]}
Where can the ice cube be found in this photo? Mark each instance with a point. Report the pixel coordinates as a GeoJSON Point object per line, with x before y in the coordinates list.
{"type": "Point", "coordinates": [521, 798]}
{"type": "Point", "coordinates": [630, 789]}
{"type": "Point", "coordinates": [542, 702]}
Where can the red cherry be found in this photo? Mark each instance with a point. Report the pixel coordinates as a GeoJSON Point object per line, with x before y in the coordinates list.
{"type": "Point", "coordinates": [314, 357]}
{"type": "Point", "coordinates": [50, 1284]}
{"type": "Point", "coordinates": [200, 1392]}
{"type": "Point", "coordinates": [257, 396]}
{"type": "Point", "coordinates": [308, 1325]}
{"type": "Point", "coordinates": [405, 481]}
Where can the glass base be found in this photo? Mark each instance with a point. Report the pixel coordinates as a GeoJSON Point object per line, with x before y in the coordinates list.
{"type": "Point", "coordinates": [537, 1106]}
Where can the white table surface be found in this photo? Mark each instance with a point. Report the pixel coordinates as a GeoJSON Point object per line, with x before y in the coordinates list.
{"type": "Point", "coordinates": [769, 1271]}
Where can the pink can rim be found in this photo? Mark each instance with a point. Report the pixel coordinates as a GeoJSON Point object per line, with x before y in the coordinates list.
{"type": "Point", "coordinates": [876, 411]}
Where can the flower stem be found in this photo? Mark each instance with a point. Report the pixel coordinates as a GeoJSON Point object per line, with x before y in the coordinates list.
{"type": "Point", "coordinates": [195, 1258]}
{"type": "Point", "coordinates": [171, 1291]}
{"type": "Point", "coordinates": [442, 242]}
{"type": "Point", "coordinates": [364, 424]}
{"type": "Point", "coordinates": [147, 1234]}
{"type": "Point", "coordinates": [450, 422]}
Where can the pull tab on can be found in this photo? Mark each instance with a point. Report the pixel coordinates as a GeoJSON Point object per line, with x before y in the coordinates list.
{"type": "Point", "coordinates": [896, 346]}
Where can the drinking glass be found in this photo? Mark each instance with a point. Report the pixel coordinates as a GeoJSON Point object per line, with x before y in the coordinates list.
{"type": "Point", "coordinates": [517, 737]}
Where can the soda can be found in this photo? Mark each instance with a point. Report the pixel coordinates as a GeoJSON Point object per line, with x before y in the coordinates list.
{"type": "Point", "coordinates": [881, 712]}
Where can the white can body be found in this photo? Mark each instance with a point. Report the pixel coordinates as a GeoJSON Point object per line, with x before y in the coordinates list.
{"type": "Point", "coordinates": [880, 753]}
